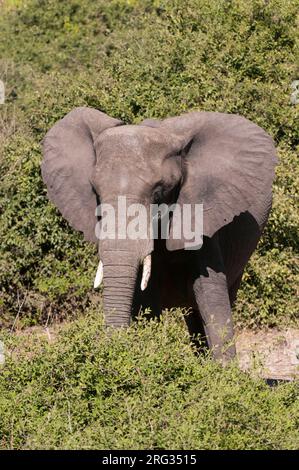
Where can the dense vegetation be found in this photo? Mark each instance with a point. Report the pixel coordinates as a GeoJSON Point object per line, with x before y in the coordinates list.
{"type": "Point", "coordinates": [141, 389]}
{"type": "Point", "coordinates": [134, 59]}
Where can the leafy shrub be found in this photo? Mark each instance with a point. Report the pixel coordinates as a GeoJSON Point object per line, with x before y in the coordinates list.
{"type": "Point", "coordinates": [138, 389]}
{"type": "Point", "coordinates": [136, 59]}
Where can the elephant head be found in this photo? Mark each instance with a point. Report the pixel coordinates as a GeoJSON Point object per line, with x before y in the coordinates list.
{"type": "Point", "coordinates": [223, 161]}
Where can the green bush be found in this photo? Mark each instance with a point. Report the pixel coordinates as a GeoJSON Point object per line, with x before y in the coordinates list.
{"type": "Point", "coordinates": [138, 389]}
{"type": "Point", "coordinates": [136, 59]}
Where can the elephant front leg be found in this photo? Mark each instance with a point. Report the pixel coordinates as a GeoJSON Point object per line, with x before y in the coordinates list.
{"type": "Point", "coordinates": [213, 302]}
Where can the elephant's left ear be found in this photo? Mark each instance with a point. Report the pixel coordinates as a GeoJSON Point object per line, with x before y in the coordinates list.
{"type": "Point", "coordinates": [229, 168]}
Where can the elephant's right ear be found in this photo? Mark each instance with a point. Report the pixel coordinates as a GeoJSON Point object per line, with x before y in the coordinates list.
{"type": "Point", "coordinates": [68, 164]}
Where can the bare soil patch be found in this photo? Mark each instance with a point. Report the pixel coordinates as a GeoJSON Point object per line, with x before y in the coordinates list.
{"type": "Point", "coordinates": [274, 353]}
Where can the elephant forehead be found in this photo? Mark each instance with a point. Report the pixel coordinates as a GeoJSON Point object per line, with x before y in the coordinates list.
{"type": "Point", "coordinates": [131, 139]}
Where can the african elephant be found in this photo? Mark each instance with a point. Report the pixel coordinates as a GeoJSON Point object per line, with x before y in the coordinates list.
{"type": "Point", "coordinates": [223, 161]}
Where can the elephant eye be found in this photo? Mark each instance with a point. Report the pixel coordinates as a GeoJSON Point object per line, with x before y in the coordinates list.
{"type": "Point", "coordinates": [157, 195]}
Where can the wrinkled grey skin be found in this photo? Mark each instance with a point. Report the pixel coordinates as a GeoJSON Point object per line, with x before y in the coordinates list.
{"type": "Point", "coordinates": [223, 161]}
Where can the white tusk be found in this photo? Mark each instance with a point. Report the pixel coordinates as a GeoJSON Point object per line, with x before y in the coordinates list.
{"type": "Point", "coordinates": [99, 276]}
{"type": "Point", "coordinates": [146, 273]}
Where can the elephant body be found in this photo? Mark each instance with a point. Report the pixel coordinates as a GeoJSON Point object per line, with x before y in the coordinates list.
{"type": "Point", "coordinates": [224, 162]}
{"type": "Point", "coordinates": [186, 279]}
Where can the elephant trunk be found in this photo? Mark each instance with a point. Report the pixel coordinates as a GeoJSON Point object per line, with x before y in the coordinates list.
{"type": "Point", "coordinates": [120, 274]}
{"type": "Point", "coordinates": [119, 268]}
